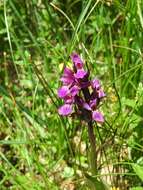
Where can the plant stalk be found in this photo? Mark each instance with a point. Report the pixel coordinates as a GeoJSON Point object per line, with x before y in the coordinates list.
{"type": "Point", "coordinates": [92, 139]}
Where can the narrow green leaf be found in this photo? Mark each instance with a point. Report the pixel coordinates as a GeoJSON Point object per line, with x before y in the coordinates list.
{"type": "Point", "coordinates": [138, 170]}
{"type": "Point", "coordinates": [136, 188]}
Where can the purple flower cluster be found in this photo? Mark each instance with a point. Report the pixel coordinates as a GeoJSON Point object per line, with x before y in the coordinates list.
{"type": "Point", "coordinates": [79, 93]}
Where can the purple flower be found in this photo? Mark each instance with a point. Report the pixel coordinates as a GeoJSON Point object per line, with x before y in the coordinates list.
{"type": "Point", "coordinates": [74, 90]}
{"type": "Point", "coordinates": [97, 91]}
{"type": "Point", "coordinates": [101, 94]}
{"type": "Point", "coordinates": [97, 116]}
{"type": "Point", "coordinates": [77, 61]}
{"type": "Point", "coordinates": [65, 110]}
{"type": "Point", "coordinates": [68, 76]}
{"type": "Point", "coordinates": [95, 84]}
{"type": "Point", "coordinates": [93, 103]}
{"type": "Point", "coordinates": [80, 74]}
{"type": "Point", "coordinates": [69, 99]}
{"type": "Point", "coordinates": [80, 93]}
{"type": "Point", "coordinates": [63, 91]}
{"type": "Point", "coordinates": [86, 106]}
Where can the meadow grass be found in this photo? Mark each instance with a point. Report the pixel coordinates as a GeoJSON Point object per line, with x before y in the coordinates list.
{"type": "Point", "coordinates": [40, 150]}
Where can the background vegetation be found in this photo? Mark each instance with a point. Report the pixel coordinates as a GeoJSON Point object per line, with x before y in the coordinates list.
{"type": "Point", "coordinates": [38, 149]}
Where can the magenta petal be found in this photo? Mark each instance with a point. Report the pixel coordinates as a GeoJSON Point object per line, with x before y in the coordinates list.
{"type": "Point", "coordinates": [64, 110]}
{"type": "Point", "coordinates": [77, 61]}
{"type": "Point", "coordinates": [93, 103]}
{"type": "Point", "coordinates": [97, 116]}
{"type": "Point", "coordinates": [80, 74]}
{"type": "Point", "coordinates": [68, 76]}
{"type": "Point", "coordinates": [86, 106]}
{"type": "Point", "coordinates": [63, 91]}
{"type": "Point", "coordinates": [101, 93]}
{"type": "Point", "coordinates": [95, 83]}
{"type": "Point", "coordinates": [74, 90]}
{"type": "Point", "coordinates": [66, 80]}
{"type": "Point", "coordinates": [68, 72]}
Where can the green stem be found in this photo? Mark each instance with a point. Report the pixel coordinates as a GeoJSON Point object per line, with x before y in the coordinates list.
{"type": "Point", "coordinates": [92, 139]}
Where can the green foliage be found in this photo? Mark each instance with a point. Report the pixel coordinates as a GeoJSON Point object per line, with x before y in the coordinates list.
{"type": "Point", "coordinates": [136, 188]}
{"type": "Point", "coordinates": [95, 184]}
{"type": "Point", "coordinates": [138, 170]}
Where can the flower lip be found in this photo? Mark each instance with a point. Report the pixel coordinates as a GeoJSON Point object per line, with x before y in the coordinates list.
{"type": "Point", "coordinates": [97, 116]}
{"type": "Point", "coordinates": [74, 90]}
{"type": "Point", "coordinates": [65, 110]}
{"type": "Point", "coordinates": [86, 106]}
{"type": "Point", "coordinates": [63, 91]}
{"type": "Point", "coordinates": [80, 74]}
{"type": "Point", "coordinates": [101, 94]}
